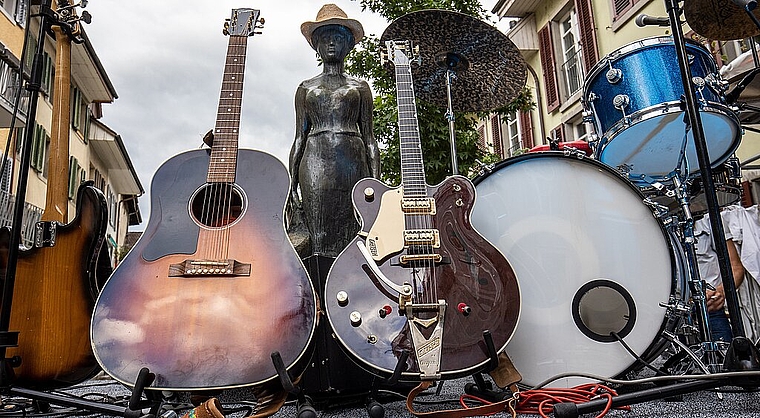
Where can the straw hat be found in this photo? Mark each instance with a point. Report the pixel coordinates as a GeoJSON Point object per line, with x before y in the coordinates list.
{"type": "Point", "coordinates": [331, 14]}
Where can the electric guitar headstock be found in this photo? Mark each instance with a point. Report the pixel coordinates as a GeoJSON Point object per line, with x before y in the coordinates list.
{"type": "Point", "coordinates": [70, 21]}
{"type": "Point", "coordinates": [400, 53]}
{"type": "Point", "coordinates": [244, 22]}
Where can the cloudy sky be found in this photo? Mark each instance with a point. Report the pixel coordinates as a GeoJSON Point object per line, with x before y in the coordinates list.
{"type": "Point", "coordinates": [165, 59]}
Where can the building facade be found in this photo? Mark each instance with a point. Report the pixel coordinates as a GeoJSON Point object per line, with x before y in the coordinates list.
{"type": "Point", "coordinates": [562, 42]}
{"type": "Point", "coordinates": [96, 152]}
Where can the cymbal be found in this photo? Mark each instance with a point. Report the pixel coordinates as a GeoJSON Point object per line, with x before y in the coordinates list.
{"type": "Point", "coordinates": [720, 20]}
{"type": "Point", "coordinates": [490, 72]}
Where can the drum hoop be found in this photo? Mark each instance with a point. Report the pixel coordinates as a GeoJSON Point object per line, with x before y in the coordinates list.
{"type": "Point", "coordinates": [665, 108]}
{"type": "Point", "coordinates": [633, 47]}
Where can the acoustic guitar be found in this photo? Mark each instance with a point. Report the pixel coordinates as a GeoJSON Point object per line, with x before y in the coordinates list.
{"type": "Point", "coordinates": [55, 286]}
{"type": "Point", "coordinates": [418, 279]}
{"type": "Point", "coordinates": [214, 286]}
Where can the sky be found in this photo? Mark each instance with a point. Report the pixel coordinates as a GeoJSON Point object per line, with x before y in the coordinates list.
{"type": "Point", "coordinates": [165, 59]}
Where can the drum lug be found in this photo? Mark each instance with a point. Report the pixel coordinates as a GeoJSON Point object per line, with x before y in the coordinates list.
{"type": "Point", "coordinates": [614, 75]}
{"type": "Point", "coordinates": [700, 83]}
{"type": "Point", "coordinates": [620, 102]}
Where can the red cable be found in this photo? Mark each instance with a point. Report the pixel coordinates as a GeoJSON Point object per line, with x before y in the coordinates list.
{"type": "Point", "coordinates": [542, 401]}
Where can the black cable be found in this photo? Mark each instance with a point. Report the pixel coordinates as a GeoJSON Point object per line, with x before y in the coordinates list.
{"type": "Point", "coordinates": [636, 356]}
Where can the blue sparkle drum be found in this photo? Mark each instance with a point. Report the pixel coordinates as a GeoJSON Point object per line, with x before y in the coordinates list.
{"type": "Point", "coordinates": [635, 98]}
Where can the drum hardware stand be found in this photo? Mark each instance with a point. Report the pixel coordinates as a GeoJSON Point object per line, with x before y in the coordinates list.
{"type": "Point", "coordinates": [742, 354]}
{"type": "Point", "coordinates": [700, 143]}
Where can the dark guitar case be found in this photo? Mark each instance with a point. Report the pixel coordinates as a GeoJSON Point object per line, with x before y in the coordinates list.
{"type": "Point", "coordinates": [332, 379]}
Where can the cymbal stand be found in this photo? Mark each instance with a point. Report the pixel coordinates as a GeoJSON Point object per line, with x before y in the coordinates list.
{"type": "Point", "coordinates": [452, 62]}
{"type": "Point", "coordinates": [450, 75]}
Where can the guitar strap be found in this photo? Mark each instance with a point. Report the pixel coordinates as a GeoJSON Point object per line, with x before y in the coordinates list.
{"type": "Point", "coordinates": [505, 375]}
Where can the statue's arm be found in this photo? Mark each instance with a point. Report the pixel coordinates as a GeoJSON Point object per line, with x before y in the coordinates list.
{"type": "Point", "coordinates": [299, 143]}
{"type": "Point", "coordinates": [366, 129]}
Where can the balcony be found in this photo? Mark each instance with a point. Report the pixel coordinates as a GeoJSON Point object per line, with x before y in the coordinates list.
{"type": "Point", "coordinates": [32, 215]}
{"type": "Point", "coordinates": [9, 86]}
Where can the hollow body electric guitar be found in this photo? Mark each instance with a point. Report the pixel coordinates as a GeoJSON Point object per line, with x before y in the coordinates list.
{"type": "Point", "coordinates": [55, 285]}
{"type": "Point", "coordinates": [214, 286]}
{"type": "Point", "coordinates": [418, 279]}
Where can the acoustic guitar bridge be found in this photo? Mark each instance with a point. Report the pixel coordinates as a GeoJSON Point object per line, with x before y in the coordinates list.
{"type": "Point", "coordinates": [206, 268]}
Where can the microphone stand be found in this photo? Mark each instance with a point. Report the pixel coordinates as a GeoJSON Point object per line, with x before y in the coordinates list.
{"type": "Point", "coordinates": [705, 172]}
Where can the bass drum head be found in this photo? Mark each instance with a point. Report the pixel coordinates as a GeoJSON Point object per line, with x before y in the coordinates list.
{"type": "Point", "coordinates": [591, 258]}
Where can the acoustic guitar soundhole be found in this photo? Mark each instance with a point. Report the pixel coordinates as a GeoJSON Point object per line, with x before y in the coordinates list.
{"type": "Point", "coordinates": [217, 205]}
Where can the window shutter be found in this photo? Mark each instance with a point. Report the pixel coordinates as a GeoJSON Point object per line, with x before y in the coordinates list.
{"type": "Point", "coordinates": [76, 108]}
{"type": "Point", "coordinates": [546, 50]}
{"type": "Point", "coordinates": [526, 129]}
{"type": "Point", "coordinates": [482, 138]}
{"type": "Point", "coordinates": [587, 33]}
{"type": "Point", "coordinates": [619, 7]}
{"type": "Point", "coordinates": [498, 148]}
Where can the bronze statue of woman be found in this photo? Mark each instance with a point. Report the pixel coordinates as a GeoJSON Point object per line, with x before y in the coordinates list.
{"type": "Point", "coordinates": [334, 145]}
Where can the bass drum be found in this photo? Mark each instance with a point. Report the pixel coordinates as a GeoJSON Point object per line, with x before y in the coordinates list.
{"type": "Point", "coordinates": [591, 258]}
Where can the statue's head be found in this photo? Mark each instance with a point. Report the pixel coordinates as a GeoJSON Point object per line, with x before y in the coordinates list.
{"type": "Point", "coordinates": [332, 18]}
{"type": "Point", "coordinates": [332, 42]}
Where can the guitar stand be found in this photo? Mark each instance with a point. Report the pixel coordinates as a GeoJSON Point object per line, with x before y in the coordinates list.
{"type": "Point", "coordinates": [481, 388]}
{"type": "Point", "coordinates": [134, 408]}
{"type": "Point", "coordinates": [304, 406]}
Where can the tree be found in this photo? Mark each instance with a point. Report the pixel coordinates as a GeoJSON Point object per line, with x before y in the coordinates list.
{"type": "Point", "coordinates": [434, 130]}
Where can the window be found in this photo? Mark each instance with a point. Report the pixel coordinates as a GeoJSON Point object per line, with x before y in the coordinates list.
{"type": "Point", "coordinates": [100, 182]}
{"type": "Point", "coordinates": [568, 49]}
{"type": "Point", "coordinates": [112, 206]}
{"type": "Point", "coordinates": [580, 131]}
{"type": "Point", "coordinates": [15, 8]}
{"type": "Point", "coordinates": [571, 71]}
{"type": "Point", "coordinates": [513, 134]}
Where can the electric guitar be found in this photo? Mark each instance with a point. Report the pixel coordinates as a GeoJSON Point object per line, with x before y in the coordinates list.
{"type": "Point", "coordinates": [55, 285]}
{"type": "Point", "coordinates": [213, 287]}
{"type": "Point", "coordinates": [418, 278]}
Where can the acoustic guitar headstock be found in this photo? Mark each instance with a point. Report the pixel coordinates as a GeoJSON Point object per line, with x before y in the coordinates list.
{"type": "Point", "coordinates": [243, 22]}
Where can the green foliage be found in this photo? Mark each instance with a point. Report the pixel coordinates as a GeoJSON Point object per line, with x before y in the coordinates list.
{"type": "Point", "coordinates": [364, 62]}
{"type": "Point", "coordinates": [393, 9]}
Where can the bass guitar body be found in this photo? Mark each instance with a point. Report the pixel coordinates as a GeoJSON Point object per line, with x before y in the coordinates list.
{"type": "Point", "coordinates": [204, 298]}
{"type": "Point", "coordinates": [53, 297]}
{"type": "Point", "coordinates": [466, 288]}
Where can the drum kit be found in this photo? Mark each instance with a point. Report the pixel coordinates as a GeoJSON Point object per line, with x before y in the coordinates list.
{"type": "Point", "coordinates": [601, 238]}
